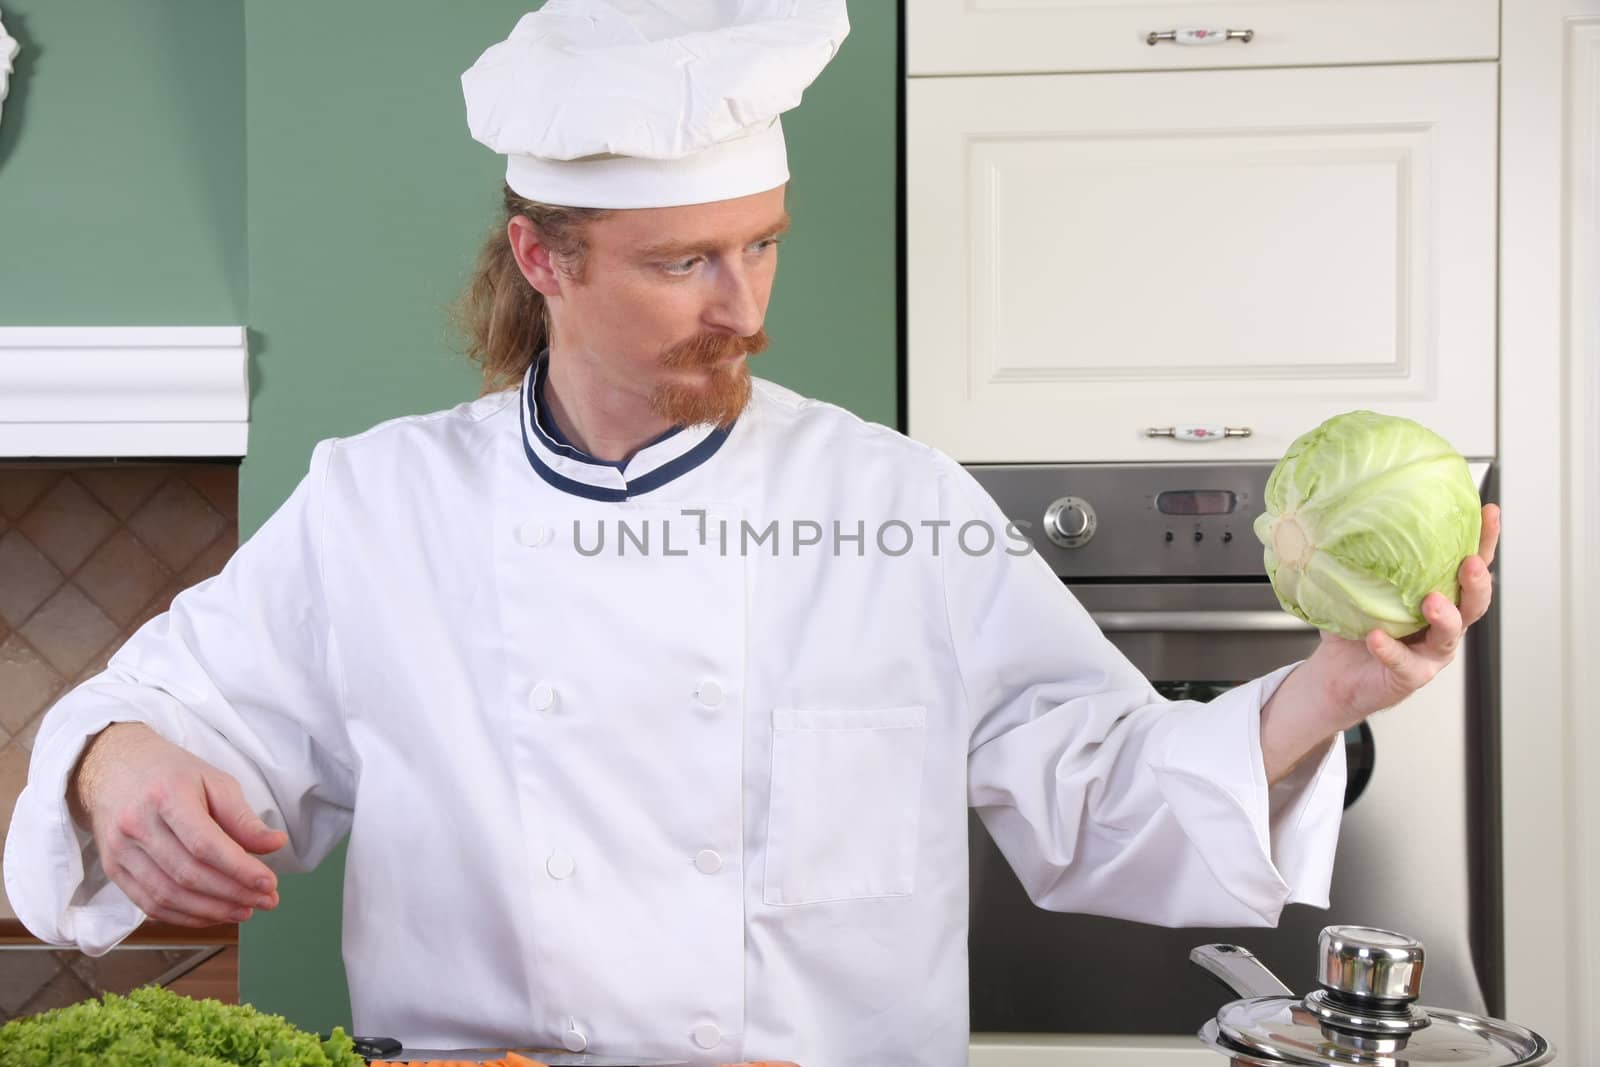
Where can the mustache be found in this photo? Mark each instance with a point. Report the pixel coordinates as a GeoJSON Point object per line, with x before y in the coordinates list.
{"type": "Point", "coordinates": [708, 349]}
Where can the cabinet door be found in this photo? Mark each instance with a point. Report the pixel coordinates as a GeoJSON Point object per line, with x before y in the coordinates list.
{"type": "Point", "coordinates": [1048, 36]}
{"type": "Point", "coordinates": [1090, 256]}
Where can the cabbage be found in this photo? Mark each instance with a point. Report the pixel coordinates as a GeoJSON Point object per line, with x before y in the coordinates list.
{"type": "Point", "coordinates": [1366, 515]}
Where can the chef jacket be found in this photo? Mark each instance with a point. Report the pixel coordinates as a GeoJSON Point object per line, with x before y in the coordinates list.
{"type": "Point", "coordinates": [673, 756]}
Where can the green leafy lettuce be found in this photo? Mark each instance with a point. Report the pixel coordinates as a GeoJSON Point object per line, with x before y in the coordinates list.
{"type": "Point", "coordinates": [155, 1027]}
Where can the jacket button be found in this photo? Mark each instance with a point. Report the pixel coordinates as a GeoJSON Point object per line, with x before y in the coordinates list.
{"type": "Point", "coordinates": [709, 693]}
{"type": "Point", "coordinates": [707, 1036]}
{"type": "Point", "coordinates": [533, 534]}
{"type": "Point", "coordinates": [574, 1040]}
{"type": "Point", "coordinates": [561, 866]}
{"type": "Point", "coordinates": [541, 697]}
{"type": "Point", "coordinates": [707, 862]}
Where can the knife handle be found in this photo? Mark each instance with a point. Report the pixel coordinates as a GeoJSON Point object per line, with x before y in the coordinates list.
{"type": "Point", "coordinates": [373, 1047]}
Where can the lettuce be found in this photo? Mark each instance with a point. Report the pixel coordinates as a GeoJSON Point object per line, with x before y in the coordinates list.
{"type": "Point", "coordinates": [1365, 516]}
{"type": "Point", "coordinates": [155, 1027]}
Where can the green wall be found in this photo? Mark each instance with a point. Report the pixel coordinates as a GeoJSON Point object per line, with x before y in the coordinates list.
{"type": "Point", "coordinates": [122, 166]}
{"type": "Point", "coordinates": [305, 168]}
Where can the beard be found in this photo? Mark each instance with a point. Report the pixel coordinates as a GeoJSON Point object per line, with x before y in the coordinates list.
{"type": "Point", "coordinates": [726, 389]}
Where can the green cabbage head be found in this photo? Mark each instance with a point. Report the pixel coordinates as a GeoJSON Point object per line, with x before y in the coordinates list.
{"type": "Point", "coordinates": [1366, 515]}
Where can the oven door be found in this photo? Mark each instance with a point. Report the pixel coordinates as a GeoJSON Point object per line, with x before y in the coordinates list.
{"type": "Point", "coordinates": [1039, 972]}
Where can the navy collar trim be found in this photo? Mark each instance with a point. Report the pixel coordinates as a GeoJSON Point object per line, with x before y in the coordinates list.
{"type": "Point", "coordinates": [540, 435]}
{"type": "Point", "coordinates": [550, 435]}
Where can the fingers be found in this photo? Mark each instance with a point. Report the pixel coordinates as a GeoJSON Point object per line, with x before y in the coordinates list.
{"type": "Point", "coordinates": [202, 837]}
{"type": "Point", "coordinates": [1407, 669]}
{"type": "Point", "coordinates": [1477, 589]}
{"type": "Point", "coordinates": [1477, 586]}
{"type": "Point", "coordinates": [1445, 628]}
{"type": "Point", "coordinates": [190, 872]}
{"type": "Point", "coordinates": [228, 807]}
{"type": "Point", "coordinates": [163, 899]}
{"type": "Point", "coordinates": [1413, 663]}
{"type": "Point", "coordinates": [1489, 536]}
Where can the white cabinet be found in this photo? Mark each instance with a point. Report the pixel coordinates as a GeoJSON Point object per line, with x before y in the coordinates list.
{"type": "Point", "coordinates": [1038, 36]}
{"type": "Point", "coordinates": [1090, 256]}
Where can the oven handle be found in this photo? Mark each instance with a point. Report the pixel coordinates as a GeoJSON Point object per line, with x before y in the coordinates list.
{"type": "Point", "coordinates": [1199, 621]}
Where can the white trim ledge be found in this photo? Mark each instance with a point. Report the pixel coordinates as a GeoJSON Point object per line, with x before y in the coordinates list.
{"type": "Point", "coordinates": [123, 391]}
{"type": "Point", "coordinates": [1089, 1050]}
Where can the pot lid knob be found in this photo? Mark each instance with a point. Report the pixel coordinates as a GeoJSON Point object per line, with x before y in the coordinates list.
{"type": "Point", "coordinates": [1368, 964]}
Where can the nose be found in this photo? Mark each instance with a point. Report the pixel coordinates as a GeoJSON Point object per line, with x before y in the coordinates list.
{"type": "Point", "coordinates": [738, 303]}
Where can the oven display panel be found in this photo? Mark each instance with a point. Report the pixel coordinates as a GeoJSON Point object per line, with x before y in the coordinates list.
{"type": "Point", "coordinates": [1197, 502]}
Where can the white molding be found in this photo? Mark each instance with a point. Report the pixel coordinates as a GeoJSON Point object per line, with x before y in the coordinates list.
{"type": "Point", "coordinates": [1582, 357]}
{"type": "Point", "coordinates": [1538, 737]}
{"type": "Point", "coordinates": [123, 391]}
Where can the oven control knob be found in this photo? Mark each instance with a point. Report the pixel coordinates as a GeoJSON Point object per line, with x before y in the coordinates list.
{"type": "Point", "coordinates": [1070, 522]}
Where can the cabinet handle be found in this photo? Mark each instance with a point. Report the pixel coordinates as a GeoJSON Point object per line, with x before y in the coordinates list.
{"type": "Point", "coordinates": [1199, 622]}
{"type": "Point", "coordinates": [1198, 433]}
{"type": "Point", "coordinates": [1199, 36]}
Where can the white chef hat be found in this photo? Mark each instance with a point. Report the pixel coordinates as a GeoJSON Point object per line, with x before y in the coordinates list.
{"type": "Point", "coordinates": [649, 103]}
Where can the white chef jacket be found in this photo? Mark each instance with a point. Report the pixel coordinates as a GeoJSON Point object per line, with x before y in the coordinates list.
{"type": "Point", "coordinates": [699, 799]}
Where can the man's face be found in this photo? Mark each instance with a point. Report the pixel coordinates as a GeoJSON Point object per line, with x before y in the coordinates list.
{"type": "Point", "coordinates": [671, 304]}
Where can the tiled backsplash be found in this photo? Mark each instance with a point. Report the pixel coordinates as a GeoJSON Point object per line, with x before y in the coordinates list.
{"type": "Point", "coordinates": [89, 552]}
{"type": "Point", "coordinates": [38, 979]}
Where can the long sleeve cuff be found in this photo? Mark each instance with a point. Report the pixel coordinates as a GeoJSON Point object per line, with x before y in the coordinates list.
{"type": "Point", "coordinates": [1268, 846]}
{"type": "Point", "coordinates": [53, 876]}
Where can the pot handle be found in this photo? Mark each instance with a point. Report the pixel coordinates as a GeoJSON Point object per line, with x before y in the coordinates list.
{"type": "Point", "coordinates": [1239, 970]}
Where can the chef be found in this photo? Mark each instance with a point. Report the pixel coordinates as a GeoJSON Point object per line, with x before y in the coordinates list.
{"type": "Point", "coordinates": [651, 695]}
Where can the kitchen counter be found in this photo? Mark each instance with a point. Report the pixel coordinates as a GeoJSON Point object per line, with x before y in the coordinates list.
{"type": "Point", "coordinates": [1033, 1050]}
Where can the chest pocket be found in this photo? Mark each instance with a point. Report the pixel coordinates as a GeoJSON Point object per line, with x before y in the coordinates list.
{"type": "Point", "coordinates": [846, 802]}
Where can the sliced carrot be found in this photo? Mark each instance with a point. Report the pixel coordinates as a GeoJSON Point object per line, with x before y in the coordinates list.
{"type": "Point", "coordinates": [515, 1060]}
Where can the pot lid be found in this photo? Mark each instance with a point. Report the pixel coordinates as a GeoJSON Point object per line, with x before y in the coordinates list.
{"type": "Point", "coordinates": [1363, 1015]}
{"type": "Point", "coordinates": [1283, 1029]}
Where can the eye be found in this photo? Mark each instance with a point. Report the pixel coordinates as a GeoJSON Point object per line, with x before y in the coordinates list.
{"type": "Point", "coordinates": [682, 266]}
{"type": "Point", "coordinates": [762, 246]}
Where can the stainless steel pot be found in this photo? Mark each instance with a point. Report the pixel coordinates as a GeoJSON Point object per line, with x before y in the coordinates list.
{"type": "Point", "coordinates": [1363, 1013]}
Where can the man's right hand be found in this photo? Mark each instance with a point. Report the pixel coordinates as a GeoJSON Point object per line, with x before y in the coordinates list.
{"type": "Point", "coordinates": [173, 832]}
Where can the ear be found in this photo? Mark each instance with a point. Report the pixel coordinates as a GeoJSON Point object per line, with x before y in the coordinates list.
{"type": "Point", "coordinates": [532, 257]}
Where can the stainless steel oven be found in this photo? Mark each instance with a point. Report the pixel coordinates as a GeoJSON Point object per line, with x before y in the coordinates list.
{"type": "Point", "coordinates": [1165, 559]}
